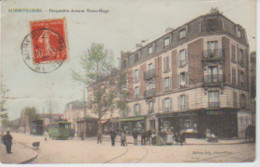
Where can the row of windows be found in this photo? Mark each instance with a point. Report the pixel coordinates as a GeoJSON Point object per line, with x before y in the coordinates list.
{"type": "Point", "coordinates": [213, 102]}
{"type": "Point", "coordinates": [238, 75]}
{"type": "Point", "coordinates": [237, 55]}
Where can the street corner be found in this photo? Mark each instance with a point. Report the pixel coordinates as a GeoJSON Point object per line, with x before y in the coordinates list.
{"type": "Point", "coordinates": [20, 154]}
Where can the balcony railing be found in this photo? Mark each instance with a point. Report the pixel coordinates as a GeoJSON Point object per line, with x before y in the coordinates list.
{"type": "Point", "coordinates": [149, 74]}
{"type": "Point", "coordinates": [149, 93]}
{"type": "Point", "coordinates": [213, 55]}
{"type": "Point", "coordinates": [215, 79]}
{"type": "Point", "coordinates": [167, 88]}
{"type": "Point", "coordinates": [167, 109]}
{"type": "Point", "coordinates": [214, 105]}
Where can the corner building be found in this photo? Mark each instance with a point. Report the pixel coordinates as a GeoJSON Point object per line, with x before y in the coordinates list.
{"type": "Point", "coordinates": [192, 78]}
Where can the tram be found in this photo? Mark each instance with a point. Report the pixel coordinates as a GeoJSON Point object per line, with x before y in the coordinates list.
{"type": "Point", "coordinates": [60, 130]}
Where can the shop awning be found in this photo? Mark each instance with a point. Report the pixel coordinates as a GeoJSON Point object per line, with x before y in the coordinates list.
{"type": "Point", "coordinates": [132, 119]}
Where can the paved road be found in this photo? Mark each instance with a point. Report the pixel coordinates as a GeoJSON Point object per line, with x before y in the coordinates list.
{"type": "Point", "coordinates": [76, 151]}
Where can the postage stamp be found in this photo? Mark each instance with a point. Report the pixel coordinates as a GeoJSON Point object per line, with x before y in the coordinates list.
{"type": "Point", "coordinates": [44, 49]}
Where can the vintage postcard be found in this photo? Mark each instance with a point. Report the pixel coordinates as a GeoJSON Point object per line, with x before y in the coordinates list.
{"type": "Point", "coordinates": [134, 81]}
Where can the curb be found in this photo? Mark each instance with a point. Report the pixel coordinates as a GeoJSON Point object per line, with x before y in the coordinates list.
{"type": "Point", "coordinates": [30, 159]}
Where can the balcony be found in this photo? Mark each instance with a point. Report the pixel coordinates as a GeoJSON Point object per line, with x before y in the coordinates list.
{"type": "Point", "coordinates": [149, 74]}
{"type": "Point", "coordinates": [213, 55]}
{"type": "Point", "coordinates": [149, 93]}
{"type": "Point", "coordinates": [213, 80]}
{"type": "Point", "coordinates": [214, 105]}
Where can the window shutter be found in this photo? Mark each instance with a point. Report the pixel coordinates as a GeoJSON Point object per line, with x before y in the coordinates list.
{"type": "Point", "coordinates": [171, 105]}
{"type": "Point", "coordinates": [186, 102]}
{"type": "Point", "coordinates": [179, 81]}
{"type": "Point", "coordinates": [179, 102]}
{"type": "Point", "coordinates": [186, 56]}
{"type": "Point", "coordinates": [187, 78]}
{"type": "Point", "coordinates": [163, 105]}
{"type": "Point", "coordinates": [170, 83]}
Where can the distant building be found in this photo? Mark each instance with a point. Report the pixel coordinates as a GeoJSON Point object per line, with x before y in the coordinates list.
{"type": "Point", "coordinates": [253, 85]}
{"type": "Point", "coordinates": [50, 118]}
{"type": "Point", "coordinates": [24, 121]}
{"type": "Point", "coordinates": [73, 112]}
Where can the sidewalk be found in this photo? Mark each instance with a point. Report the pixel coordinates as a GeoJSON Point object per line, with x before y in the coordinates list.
{"type": "Point", "coordinates": [20, 154]}
{"type": "Point", "coordinates": [189, 141]}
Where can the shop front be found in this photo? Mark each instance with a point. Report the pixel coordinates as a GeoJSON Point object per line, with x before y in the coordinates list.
{"type": "Point", "coordinates": [132, 123]}
{"type": "Point", "coordinates": [186, 122]}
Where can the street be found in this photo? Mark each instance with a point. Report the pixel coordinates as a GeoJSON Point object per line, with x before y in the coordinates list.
{"type": "Point", "coordinates": [87, 151]}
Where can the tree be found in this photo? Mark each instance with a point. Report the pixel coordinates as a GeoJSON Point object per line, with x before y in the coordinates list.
{"type": "Point", "coordinates": [102, 79]}
{"type": "Point", "coordinates": [32, 115]}
{"type": "Point", "coordinates": [4, 98]}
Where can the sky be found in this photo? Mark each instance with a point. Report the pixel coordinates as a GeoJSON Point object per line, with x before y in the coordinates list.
{"type": "Point", "coordinates": [127, 23]}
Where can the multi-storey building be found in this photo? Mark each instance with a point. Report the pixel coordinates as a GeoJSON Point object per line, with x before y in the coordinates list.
{"type": "Point", "coordinates": [192, 78]}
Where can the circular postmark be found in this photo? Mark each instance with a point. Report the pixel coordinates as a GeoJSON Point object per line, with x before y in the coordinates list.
{"type": "Point", "coordinates": [43, 50]}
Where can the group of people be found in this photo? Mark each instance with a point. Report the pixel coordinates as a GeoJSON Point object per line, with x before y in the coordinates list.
{"type": "Point", "coordinates": [150, 137]}
{"type": "Point", "coordinates": [7, 141]}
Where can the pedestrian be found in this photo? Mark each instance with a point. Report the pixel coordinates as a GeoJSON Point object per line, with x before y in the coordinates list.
{"type": "Point", "coordinates": [99, 137]}
{"type": "Point", "coordinates": [8, 142]}
{"type": "Point", "coordinates": [135, 136]}
{"type": "Point", "coordinates": [153, 136]}
{"type": "Point", "coordinates": [148, 137]}
{"type": "Point", "coordinates": [45, 135]}
{"type": "Point", "coordinates": [163, 136]}
{"type": "Point", "coordinates": [123, 138]}
{"type": "Point", "coordinates": [143, 138]}
{"type": "Point", "coordinates": [113, 137]}
{"type": "Point", "coordinates": [169, 138]}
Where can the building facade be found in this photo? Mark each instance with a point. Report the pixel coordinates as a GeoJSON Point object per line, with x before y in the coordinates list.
{"type": "Point", "coordinates": [193, 78]}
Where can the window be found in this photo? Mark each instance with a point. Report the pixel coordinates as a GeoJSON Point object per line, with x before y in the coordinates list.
{"type": "Point", "coordinates": [137, 76]}
{"type": "Point", "coordinates": [182, 57]}
{"type": "Point", "coordinates": [182, 33]}
{"type": "Point", "coordinates": [183, 79]}
{"type": "Point", "coordinates": [242, 79]}
{"type": "Point", "coordinates": [212, 25]}
{"type": "Point", "coordinates": [242, 57]}
{"type": "Point", "coordinates": [137, 109]}
{"type": "Point", "coordinates": [167, 105]}
{"type": "Point", "coordinates": [136, 57]}
{"type": "Point", "coordinates": [182, 102]}
{"type": "Point", "coordinates": [123, 64]}
{"type": "Point", "coordinates": [150, 66]}
{"type": "Point", "coordinates": [213, 74]}
{"type": "Point", "coordinates": [150, 107]}
{"type": "Point", "coordinates": [243, 101]}
{"type": "Point", "coordinates": [166, 42]}
{"type": "Point", "coordinates": [234, 99]}
{"type": "Point", "coordinates": [238, 33]}
{"type": "Point", "coordinates": [212, 45]}
{"type": "Point", "coordinates": [150, 49]}
{"type": "Point", "coordinates": [234, 76]}
{"type": "Point", "coordinates": [233, 53]}
{"type": "Point", "coordinates": [167, 84]}
{"type": "Point", "coordinates": [137, 92]}
{"type": "Point", "coordinates": [166, 63]}
{"type": "Point", "coordinates": [213, 99]}
{"type": "Point", "coordinates": [150, 85]}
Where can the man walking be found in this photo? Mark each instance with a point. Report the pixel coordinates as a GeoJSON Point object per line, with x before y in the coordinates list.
{"type": "Point", "coordinates": [8, 142]}
{"type": "Point", "coordinates": [113, 137]}
{"type": "Point", "coordinates": [99, 137]}
{"type": "Point", "coordinates": [135, 136]}
{"type": "Point", "coordinates": [123, 138]}
{"type": "Point", "coordinates": [143, 137]}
